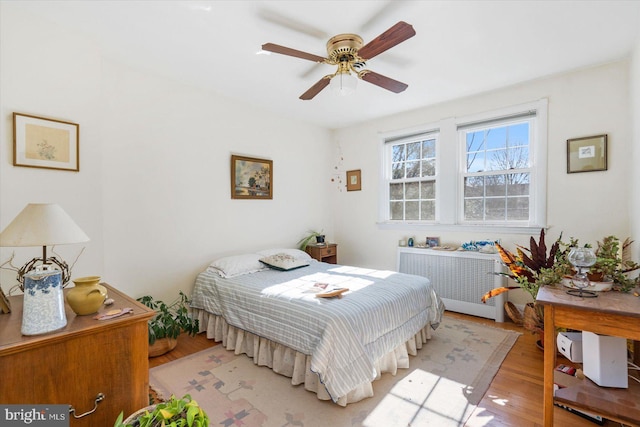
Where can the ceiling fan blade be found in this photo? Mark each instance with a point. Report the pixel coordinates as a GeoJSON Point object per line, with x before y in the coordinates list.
{"type": "Point", "coordinates": [316, 88]}
{"type": "Point", "coordinates": [393, 36]}
{"type": "Point", "coordinates": [383, 81]}
{"type": "Point", "coordinates": [270, 47]}
{"type": "Point", "coordinates": [388, 8]}
{"type": "Point", "coordinates": [292, 24]}
{"type": "Point", "coordinates": [312, 69]}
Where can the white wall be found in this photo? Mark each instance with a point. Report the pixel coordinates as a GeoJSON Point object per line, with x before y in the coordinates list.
{"type": "Point", "coordinates": [50, 72]}
{"type": "Point", "coordinates": [588, 206]}
{"type": "Point", "coordinates": [153, 191]}
{"type": "Point", "coordinates": [634, 172]}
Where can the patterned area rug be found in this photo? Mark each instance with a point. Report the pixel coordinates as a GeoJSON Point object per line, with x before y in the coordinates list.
{"type": "Point", "coordinates": [442, 387]}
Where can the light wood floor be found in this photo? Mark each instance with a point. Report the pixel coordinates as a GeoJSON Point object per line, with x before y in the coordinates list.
{"type": "Point", "coordinates": [513, 399]}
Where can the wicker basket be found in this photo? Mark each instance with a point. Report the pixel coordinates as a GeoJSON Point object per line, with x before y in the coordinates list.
{"type": "Point", "coordinates": [532, 321]}
{"type": "Point", "coordinates": [162, 346]}
{"type": "Point", "coordinates": [513, 313]}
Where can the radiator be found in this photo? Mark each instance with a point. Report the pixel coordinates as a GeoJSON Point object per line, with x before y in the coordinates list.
{"type": "Point", "coordinates": [460, 278]}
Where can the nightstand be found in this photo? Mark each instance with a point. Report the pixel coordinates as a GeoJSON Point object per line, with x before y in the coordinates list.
{"type": "Point", "coordinates": [76, 363]}
{"type": "Point", "coordinates": [324, 253]}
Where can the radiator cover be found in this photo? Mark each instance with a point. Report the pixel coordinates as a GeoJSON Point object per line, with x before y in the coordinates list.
{"type": "Point", "coordinates": [460, 278]}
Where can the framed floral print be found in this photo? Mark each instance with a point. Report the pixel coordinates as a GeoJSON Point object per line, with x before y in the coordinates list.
{"type": "Point", "coordinates": [39, 142]}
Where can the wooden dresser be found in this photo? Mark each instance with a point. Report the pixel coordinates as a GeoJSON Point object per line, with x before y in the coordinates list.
{"type": "Point", "coordinates": [74, 364]}
{"type": "Point", "coordinates": [324, 253]}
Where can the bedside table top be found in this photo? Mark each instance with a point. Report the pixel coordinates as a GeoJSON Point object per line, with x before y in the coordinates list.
{"type": "Point", "coordinates": [321, 245]}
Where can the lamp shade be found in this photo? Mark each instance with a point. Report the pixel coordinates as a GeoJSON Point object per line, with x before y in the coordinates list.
{"type": "Point", "coordinates": [42, 224]}
{"type": "Point", "coordinates": [344, 83]}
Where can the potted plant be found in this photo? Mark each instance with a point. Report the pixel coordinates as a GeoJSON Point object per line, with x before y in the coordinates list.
{"type": "Point", "coordinates": [613, 263]}
{"type": "Point", "coordinates": [175, 412]}
{"type": "Point", "coordinates": [531, 268]}
{"type": "Point", "coordinates": [317, 235]}
{"type": "Point", "coordinates": [168, 323]}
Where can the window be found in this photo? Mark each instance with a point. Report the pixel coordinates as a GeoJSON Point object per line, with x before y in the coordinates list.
{"type": "Point", "coordinates": [497, 171]}
{"type": "Point", "coordinates": [412, 183]}
{"type": "Point", "coordinates": [479, 171]}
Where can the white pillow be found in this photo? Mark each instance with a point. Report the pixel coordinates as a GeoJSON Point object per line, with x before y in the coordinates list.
{"type": "Point", "coordinates": [236, 265]}
{"type": "Point", "coordinates": [296, 253]}
{"type": "Point", "coordinates": [283, 262]}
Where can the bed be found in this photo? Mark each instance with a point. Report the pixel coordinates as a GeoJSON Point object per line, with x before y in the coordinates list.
{"type": "Point", "coordinates": [265, 305]}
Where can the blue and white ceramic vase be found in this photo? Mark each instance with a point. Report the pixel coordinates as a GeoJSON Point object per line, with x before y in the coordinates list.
{"type": "Point", "coordinates": [43, 306]}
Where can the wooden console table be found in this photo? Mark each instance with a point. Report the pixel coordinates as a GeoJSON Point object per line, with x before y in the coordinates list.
{"type": "Point", "coordinates": [76, 363]}
{"type": "Point", "coordinates": [611, 313]}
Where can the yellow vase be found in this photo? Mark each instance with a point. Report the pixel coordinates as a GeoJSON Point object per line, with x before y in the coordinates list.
{"type": "Point", "coordinates": [87, 296]}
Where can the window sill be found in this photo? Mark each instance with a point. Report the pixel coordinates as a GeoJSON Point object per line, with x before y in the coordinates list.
{"type": "Point", "coordinates": [475, 228]}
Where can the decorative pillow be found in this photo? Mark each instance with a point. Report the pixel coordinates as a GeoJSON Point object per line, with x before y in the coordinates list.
{"type": "Point", "coordinates": [296, 253]}
{"type": "Point", "coordinates": [236, 265]}
{"type": "Point", "coordinates": [283, 262]}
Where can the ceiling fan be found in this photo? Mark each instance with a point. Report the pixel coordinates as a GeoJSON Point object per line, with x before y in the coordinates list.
{"type": "Point", "coordinates": [350, 55]}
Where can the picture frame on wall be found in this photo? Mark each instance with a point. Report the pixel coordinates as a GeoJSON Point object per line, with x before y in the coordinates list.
{"type": "Point", "coordinates": [40, 142]}
{"type": "Point", "coordinates": [354, 180]}
{"type": "Point", "coordinates": [587, 154]}
{"type": "Point", "coordinates": [251, 178]}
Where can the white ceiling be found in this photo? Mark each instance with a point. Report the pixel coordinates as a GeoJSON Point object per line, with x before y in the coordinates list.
{"type": "Point", "coordinates": [461, 47]}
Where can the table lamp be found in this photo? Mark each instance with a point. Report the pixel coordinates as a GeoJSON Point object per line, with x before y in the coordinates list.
{"type": "Point", "coordinates": [42, 279]}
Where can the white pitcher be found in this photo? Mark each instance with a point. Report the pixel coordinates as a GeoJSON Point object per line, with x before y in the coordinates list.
{"type": "Point", "coordinates": [43, 306]}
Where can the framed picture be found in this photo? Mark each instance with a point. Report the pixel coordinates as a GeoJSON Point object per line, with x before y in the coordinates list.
{"type": "Point", "coordinates": [587, 154]}
{"type": "Point", "coordinates": [251, 178]}
{"type": "Point", "coordinates": [433, 242]}
{"type": "Point", "coordinates": [353, 180]}
{"type": "Point", "coordinates": [45, 143]}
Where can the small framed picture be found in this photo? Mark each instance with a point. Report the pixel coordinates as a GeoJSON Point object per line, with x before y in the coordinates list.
{"type": "Point", "coordinates": [45, 143]}
{"type": "Point", "coordinates": [432, 242]}
{"type": "Point", "coordinates": [588, 154]}
{"type": "Point", "coordinates": [353, 180]}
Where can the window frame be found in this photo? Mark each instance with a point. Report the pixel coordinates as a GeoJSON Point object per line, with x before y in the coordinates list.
{"type": "Point", "coordinates": [417, 138]}
{"type": "Point", "coordinates": [450, 153]}
{"type": "Point", "coordinates": [463, 130]}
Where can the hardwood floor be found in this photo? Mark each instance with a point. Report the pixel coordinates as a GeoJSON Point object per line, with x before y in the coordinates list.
{"type": "Point", "coordinates": [514, 398]}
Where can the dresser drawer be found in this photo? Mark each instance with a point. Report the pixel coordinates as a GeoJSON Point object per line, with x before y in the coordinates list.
{"type": "Point", "coordinates": [328, 251]}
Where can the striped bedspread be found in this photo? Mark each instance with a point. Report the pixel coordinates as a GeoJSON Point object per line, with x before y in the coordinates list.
{"type": "Point", "coordinates": [345, 336]}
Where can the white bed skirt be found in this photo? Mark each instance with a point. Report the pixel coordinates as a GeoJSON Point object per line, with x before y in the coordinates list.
{"type": "Point", "coordinates": [295, 365]}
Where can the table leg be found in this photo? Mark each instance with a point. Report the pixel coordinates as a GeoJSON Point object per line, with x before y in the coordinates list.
{"type": "Point", "coordinates": [549, 363]}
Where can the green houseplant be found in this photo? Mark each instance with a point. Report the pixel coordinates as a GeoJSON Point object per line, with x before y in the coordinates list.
{"type": "Point", "coordinates": [317, 235]}
{"type": "Point", "coordinates": [184, 412]}
{"type": "Point", "coordinates": [613, 263]}
{"type": "Point", "coordinates": [168, 323]}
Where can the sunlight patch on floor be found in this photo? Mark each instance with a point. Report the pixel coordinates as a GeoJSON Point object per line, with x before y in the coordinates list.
{"type": "Point", "coordinates": [422, 398]}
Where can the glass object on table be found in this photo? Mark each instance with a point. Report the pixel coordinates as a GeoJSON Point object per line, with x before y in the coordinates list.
{"type": "Point", "coordinates": [581, 258]}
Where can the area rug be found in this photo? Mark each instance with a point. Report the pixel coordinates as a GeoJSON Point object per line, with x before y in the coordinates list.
{"type": "Point", "coordinates": [442, 387]}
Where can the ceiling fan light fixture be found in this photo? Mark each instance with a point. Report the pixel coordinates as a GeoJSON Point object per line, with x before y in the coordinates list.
{"type": "Point", "coordinates": [344, 84]}
{"type": "Point", "coordinates": [348, 52]}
